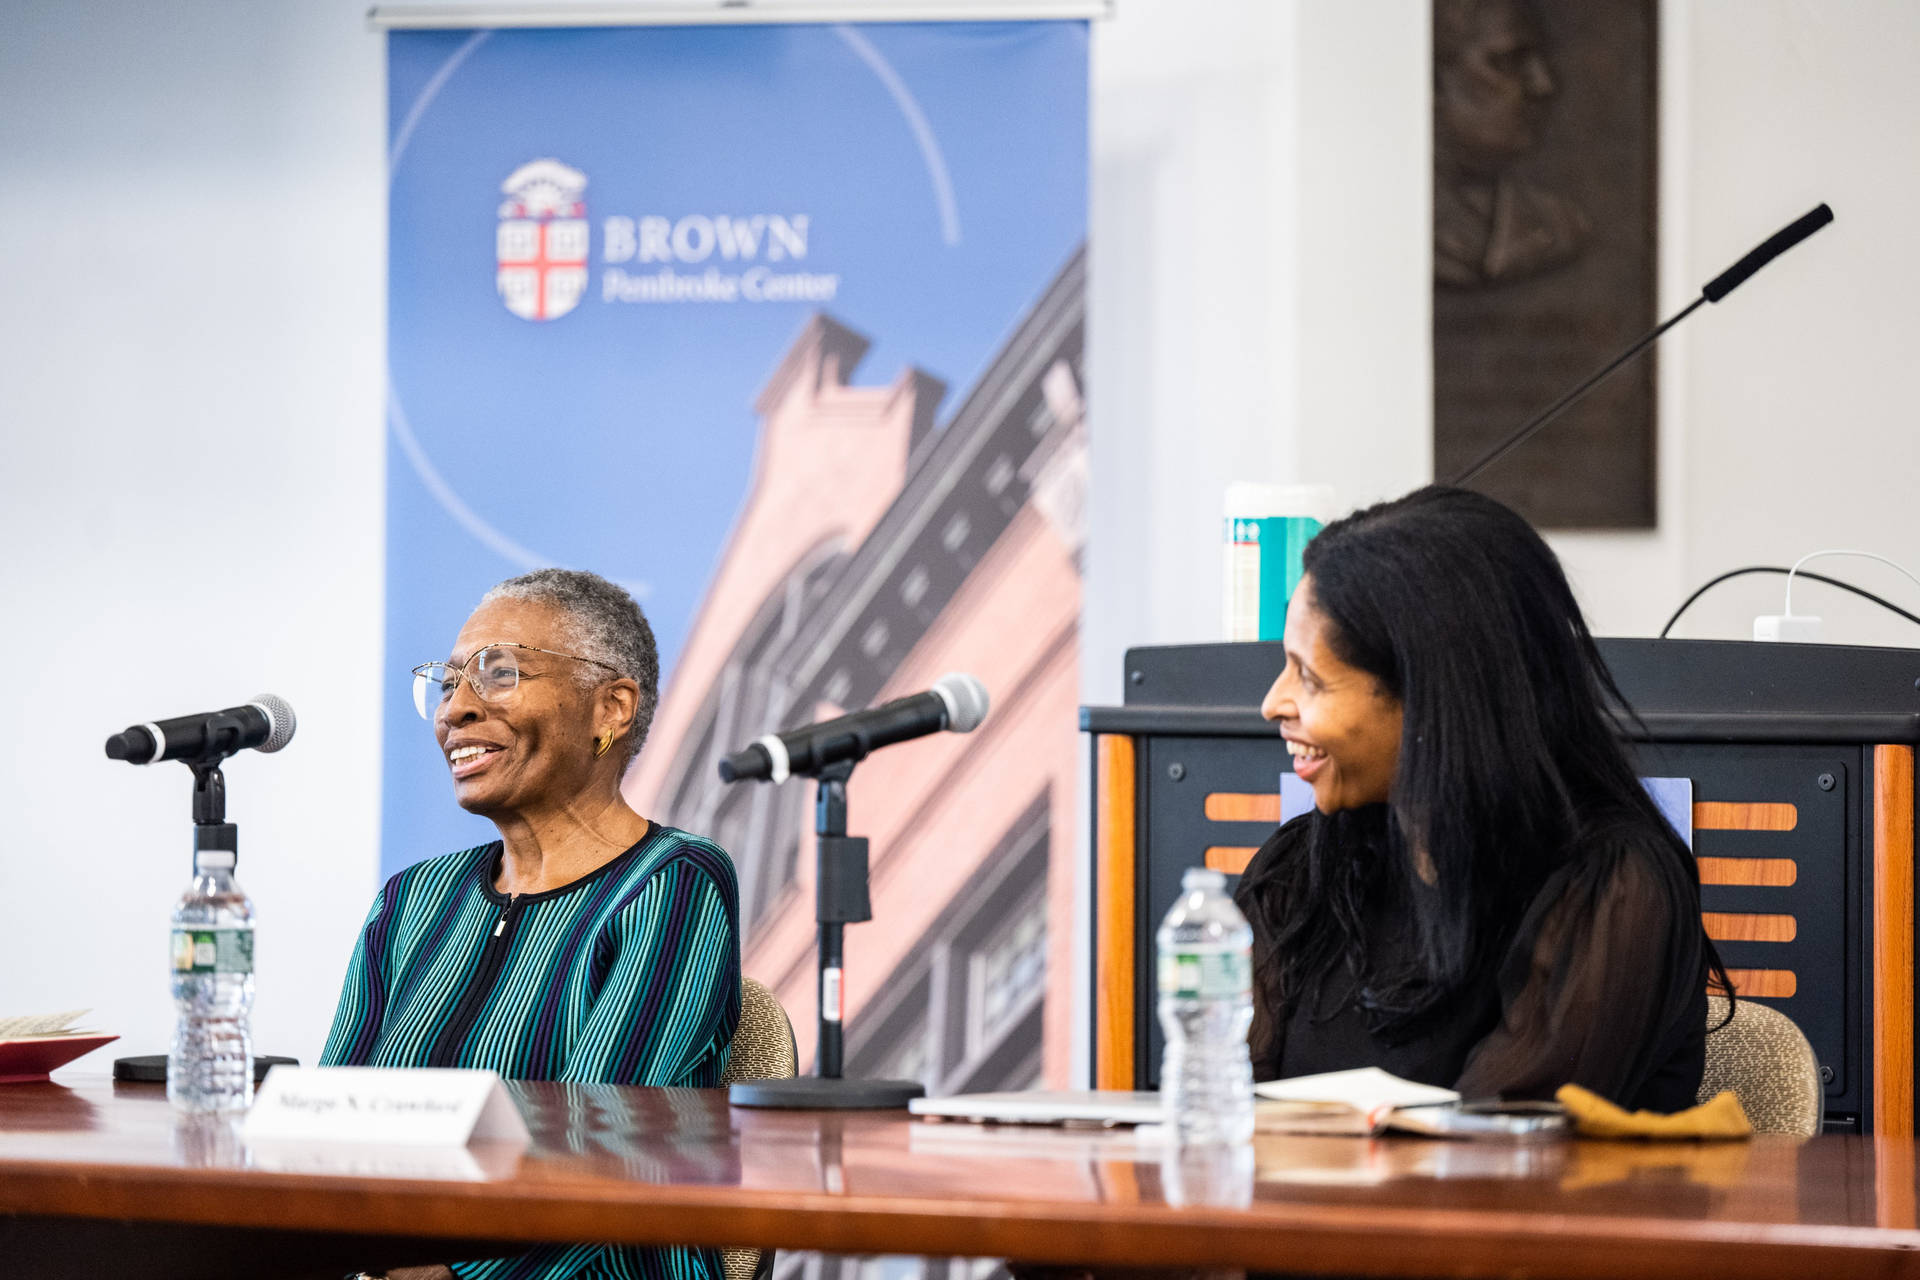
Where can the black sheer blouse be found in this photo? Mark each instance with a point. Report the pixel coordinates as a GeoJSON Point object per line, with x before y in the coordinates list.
{"type": "Point", "coordinates": [1603, 984]}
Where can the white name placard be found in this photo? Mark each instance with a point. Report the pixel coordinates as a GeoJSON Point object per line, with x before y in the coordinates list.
{"type": "Point", "coordinates": [389, 1106]}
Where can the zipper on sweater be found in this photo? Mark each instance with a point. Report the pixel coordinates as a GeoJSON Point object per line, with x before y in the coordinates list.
{"type": "Point", "coordinates": [493, 955]}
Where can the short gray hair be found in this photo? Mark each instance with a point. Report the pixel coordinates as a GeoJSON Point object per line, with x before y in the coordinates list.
{"type": "Point", "coordinates": [604, 624]}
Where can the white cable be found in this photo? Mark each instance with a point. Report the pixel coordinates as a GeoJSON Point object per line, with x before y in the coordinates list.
{"type": "Point", "coordinates": [1842, 551]}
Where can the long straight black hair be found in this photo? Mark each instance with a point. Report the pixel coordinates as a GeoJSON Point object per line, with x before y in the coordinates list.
{"type": "Point", "coordinates": [1507, 754]}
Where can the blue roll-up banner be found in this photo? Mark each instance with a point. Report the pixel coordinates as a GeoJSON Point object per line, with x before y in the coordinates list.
{"type": "Point", "coordinates": [781, 328]}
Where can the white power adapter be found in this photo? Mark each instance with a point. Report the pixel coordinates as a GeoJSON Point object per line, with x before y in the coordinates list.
{"type": "Point", "coordinates": [1801, 627]}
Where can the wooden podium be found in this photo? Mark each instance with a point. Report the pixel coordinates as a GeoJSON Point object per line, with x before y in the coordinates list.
{"type": "Point", "coordinates": [1801, 765]}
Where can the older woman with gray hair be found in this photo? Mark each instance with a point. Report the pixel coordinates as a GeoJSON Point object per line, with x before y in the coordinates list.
{"type": "Point", "coordinates": [587, 943]}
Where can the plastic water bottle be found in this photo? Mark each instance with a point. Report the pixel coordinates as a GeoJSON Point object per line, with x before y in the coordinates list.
{"type": "Point", "coordinates": [210, 1067]}
{"type": "Point", "coordinates": [1206, 1006]}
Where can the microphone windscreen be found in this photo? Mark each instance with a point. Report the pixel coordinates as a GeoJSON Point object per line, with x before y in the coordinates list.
{"type": "Point", "coordinates": [965, 699]}
{"type": "Point", "coordinates": [279, 719]}
{"type": "Point", "coordinates": [752, 761]}
{"type": "Point", "coordinates": [1769, 249]}
{"type": "Point", "coordinates": [134, 745]}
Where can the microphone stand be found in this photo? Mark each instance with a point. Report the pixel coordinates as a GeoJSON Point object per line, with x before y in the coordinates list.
{"type": "Point", "coordinates": [1713, 291]}
{"type": "Point", "coordinates": [1554, 410]}
{"type": "Point", "coordinates": [840, 899]}
{"type": "Point", "coordinates": [211, 831]}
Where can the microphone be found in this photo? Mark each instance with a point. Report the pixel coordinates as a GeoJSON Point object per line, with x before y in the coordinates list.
{"type": "Point", "coordinates": [1767, 250]}
{"type": "Point", "coordinates": [956, 702]}
{"type": "Point", "coordinates": [265, 724]}
{"type": "Point", "coordinates": [1713, 291]}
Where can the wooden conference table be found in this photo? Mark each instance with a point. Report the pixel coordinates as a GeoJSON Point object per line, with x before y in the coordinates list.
{"type": "Point", "coordinates": [99, 1179]}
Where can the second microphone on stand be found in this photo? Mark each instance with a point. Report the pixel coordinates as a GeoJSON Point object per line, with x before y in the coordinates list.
{"type": "Point", "coordinates": [957, 703]}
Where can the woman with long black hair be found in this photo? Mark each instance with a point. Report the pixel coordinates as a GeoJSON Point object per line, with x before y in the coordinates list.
{"type": "Point", "coordinates": [1484, 895]}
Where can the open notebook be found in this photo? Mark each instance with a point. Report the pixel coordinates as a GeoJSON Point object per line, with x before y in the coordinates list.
{"type": "Point", "coordinates": [1360, 1102]}
{"type": "Point", "coordinates": [1370, 1101]}
{"type": "Point", "coordinates": [34, 1044]}
{"type": "Point", "coordinates": [1363, 1100]}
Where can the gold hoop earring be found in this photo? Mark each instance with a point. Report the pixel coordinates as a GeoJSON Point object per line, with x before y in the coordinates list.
{"type": "Point", "coordinates": [600, 747]}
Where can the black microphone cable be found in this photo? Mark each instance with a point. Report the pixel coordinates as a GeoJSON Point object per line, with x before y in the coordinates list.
{"type": "Point", "coordinates": [1771, 568]}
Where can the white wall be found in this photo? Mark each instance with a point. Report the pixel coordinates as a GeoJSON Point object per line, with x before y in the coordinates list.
{"type": "Point", "coordinates": [1259, 298]}
{"type": "Point", "coordinates": [191, 488]}
{"type": "Point", "coordinates": [191, 485]}
{"type": "Point", "coordinates": [1798, 422]}
{"type": "Point", "coordinates": [1786, 410]}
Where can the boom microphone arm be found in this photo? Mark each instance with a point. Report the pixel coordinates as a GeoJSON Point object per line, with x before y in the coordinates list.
{"type": "Point", "coordinates": [1715, 289]}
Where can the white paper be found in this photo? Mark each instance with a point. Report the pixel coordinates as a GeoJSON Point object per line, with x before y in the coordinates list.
{"type": "Point", "coordinates": [1365, 1089]}
{"type": "Point", "coordinates": [384, 1106]}
{"type": "Point", "coordinates": [1044, 1106]}
{"type": "Point", "coordinates": [42, 1024]}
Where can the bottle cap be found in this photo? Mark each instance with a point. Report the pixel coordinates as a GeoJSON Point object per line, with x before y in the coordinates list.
{"type": "Point", "coordinates": [213, 860]}
{"type": "Point", "coordinates": [1202, 878]}
{"type": "Point", "coordinates": [1254, 501]}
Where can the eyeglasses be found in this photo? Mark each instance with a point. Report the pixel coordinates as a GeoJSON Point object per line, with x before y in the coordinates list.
{"type": "Point", "coordinates": [492, 672]}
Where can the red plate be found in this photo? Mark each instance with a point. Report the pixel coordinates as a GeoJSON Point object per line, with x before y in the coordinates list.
{"type": "Point", "coordinates": [30, 1058]}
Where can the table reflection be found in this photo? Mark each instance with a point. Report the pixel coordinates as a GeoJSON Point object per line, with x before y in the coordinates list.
{"type": "Point", "coordinates": [51, 1108]}
{"type": "Point", "coordinates": [650, 1135]}
{"type": "Point", "coordinates": [210, 1141]}
{"type": "Point", "coordinates": [1219, 1175]}
{"type": "Point", "coordinates": [1361, 1162]}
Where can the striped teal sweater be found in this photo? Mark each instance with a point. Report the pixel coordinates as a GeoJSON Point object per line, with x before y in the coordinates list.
{"type": "Point", "coordinates": [630, 975]}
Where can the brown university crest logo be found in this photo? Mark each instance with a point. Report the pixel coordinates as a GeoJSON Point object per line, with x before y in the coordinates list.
{"type": "Point", "coordinates": [541, 246]}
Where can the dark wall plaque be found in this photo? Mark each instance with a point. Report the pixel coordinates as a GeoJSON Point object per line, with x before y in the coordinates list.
{"type": "Point", "coordinates": [1543, 237]}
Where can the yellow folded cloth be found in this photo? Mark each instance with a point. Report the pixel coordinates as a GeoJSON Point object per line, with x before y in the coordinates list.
{"type": "Point", "coordinates": [1595, 1117]}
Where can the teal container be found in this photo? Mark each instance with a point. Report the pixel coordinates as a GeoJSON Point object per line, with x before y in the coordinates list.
{"type": "Point", "coordinates": [1267, 530]}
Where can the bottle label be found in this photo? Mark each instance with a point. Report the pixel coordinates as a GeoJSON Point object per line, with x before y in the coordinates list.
{"type": "Point", "coordinates": [1206, 975]}
{"type": "Point", "coordinates": [1264, 565]}
{"type": "Point", "coordinates": [228, 950]}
